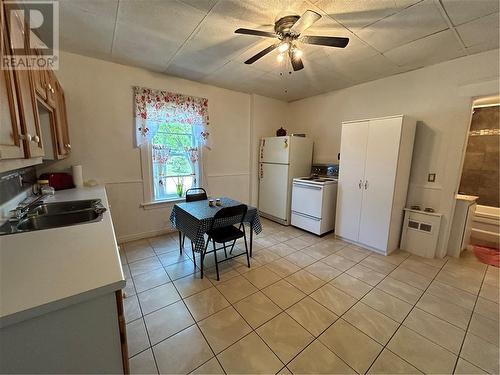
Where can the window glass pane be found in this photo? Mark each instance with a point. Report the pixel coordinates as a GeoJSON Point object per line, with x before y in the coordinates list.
{"type": "Point", "coordinates": [168, 188]}
{"type": "Point", "coordinates": [173, 172]}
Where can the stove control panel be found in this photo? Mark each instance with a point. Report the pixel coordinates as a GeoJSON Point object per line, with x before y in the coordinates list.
{"type": "Point", "coordinates": [331, 170]}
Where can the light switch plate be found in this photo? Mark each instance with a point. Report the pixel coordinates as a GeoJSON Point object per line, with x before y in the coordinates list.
{"type": "Point", "coordinates": [431, 177]}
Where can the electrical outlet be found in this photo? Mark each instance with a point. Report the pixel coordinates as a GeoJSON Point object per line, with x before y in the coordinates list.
{"type": "Point", "coordinates": [431, 177]}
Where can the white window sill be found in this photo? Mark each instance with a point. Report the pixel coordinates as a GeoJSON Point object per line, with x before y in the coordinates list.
{"type": "Point", "coordinates": [161, 204]}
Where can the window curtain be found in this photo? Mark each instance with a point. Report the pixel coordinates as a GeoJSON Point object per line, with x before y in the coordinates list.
{"type": "Point", "coordinates": [155, 107]}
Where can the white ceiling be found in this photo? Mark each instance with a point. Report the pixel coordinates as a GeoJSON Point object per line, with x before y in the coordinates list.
{"type": "Point", "coordinates": [195, 39]}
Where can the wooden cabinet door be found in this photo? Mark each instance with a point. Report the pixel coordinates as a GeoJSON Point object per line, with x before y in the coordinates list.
{"type": "Point", "coordinates": [50, 84]}
{"type": "Point", "coordinates": [11, 145]}
{"type": "Point", "coordinates": [61, 128]}
{"type": "Point", "coordinates": [378, 188]}
{"type": "Point", "coordinates": [30, 123]}
{"type": "Point", "coordinates": [351, 177]}
{"type": "Point", "coordinates": [39, 78]}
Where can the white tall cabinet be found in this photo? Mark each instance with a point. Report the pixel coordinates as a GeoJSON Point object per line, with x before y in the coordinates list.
{"type": "Point", "coordinates": [375, 162]}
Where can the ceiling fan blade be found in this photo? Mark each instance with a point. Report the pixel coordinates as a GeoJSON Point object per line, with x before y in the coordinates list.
{"type": "Point", "coordinates": [305, 21]}
{"type": "Point", "coordinates": [266, 34]}
{"type": "Point", "coordinates": [296, 62]}
{"type": "Point", "coordinates": [262, 53]}
{"type": "Point", "coordinates": [329, 41]}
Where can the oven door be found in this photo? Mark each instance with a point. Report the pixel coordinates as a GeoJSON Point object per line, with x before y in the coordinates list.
{"type": "Point", "coordinates": [307, 199]}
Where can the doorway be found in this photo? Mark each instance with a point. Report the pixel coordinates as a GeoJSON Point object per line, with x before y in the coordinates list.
{"type": "Point", "coordinates": [480, 172]}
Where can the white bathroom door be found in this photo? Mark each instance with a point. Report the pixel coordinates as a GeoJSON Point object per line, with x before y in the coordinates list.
{"type": "Point", "coordinates": [352, 168]}
{"type": "Point", "coordinates": [378, 186]}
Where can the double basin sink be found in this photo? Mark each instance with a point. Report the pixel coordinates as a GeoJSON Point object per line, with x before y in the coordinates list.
{"type": "Point", "coordinates": [55, 215]}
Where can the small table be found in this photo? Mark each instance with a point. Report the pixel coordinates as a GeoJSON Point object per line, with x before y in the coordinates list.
{"type": "Point", "coordinates": [195, 218]}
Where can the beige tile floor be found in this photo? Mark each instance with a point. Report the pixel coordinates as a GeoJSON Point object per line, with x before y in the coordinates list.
{"type": "Point", "coordinates": [309, 305]}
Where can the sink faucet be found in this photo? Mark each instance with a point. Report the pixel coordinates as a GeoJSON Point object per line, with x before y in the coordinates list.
{"type": "Point", "coordinates": [22, 210]}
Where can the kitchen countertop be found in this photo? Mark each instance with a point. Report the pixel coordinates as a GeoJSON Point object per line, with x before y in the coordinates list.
{"type": "Point", "coordinates": [463, 197]}
{"type": "Point", "coordinates": [46, 270]}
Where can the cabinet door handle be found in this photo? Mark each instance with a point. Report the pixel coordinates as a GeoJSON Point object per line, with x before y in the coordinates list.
{"type": "Point", "coordinates": [360, 184]}
{"type": "Point", "coordinates": [35, 138]}
{"type": "Point", "coordinates": [366, 184]}
{"type": "Point", "coordinates": [68, 146]}
{"type": "Point", "coordinates": [26, 137]}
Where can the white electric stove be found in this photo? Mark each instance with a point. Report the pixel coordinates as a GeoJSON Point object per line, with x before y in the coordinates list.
{"type": "Point", "coordinates": [314, 202]}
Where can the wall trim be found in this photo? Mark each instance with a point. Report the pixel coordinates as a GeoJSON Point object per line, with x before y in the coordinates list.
{"type": "Point", "coordinates": [142, 235]}
{"type": "Point", "coordinates": [122, 182]}
{"type": "Point", "coordinates": [219, 175]}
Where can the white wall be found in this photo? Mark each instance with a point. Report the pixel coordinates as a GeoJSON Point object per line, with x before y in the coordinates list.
{"type": "Point", "coordinates": [268, 115]}
{"type": "Point", "coordinates": [99, 100]}
{"type": "Point", "coordinates": [436, 96]}
{"type": "Point", "coordinates": [100, 115]}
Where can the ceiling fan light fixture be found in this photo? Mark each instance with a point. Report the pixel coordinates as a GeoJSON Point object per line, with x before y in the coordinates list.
{"type": "Point", "coordinates": [283, 47]}
{"type": "Point", "coordinates": [297, 53]}
{"type": "Point", "coordinates": [280, 57]}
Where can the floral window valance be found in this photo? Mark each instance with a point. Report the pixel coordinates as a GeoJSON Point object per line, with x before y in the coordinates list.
{"type": "Point", "coordinates": [155, 107]}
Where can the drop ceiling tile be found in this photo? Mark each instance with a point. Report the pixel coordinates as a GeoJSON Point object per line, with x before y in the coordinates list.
{"type": "Point", "coordinates": [427, 51]}
{"type": "Point", "coordinates": [234, 75]}
{"type": "Point", "coordinates": [216, 37]}
{"type": "Point", "coordinates": [132, 47]}
{"type": "Point", "coordinates": [479, 31]}
{"type": "Point", "coordinates": [87, 26]}
{"type": "Point", "coordinates": [408, 25]}
{"type": "Point", "coordinates": [358, 14]}
{"type": "Point", "coordinates": [467, 10]}
{"type": "Point", "coordinates": [486, 46]}
{"type": "Point", "coordinates": [370, 69]}
{"type": "Point", "coordinates": [260, 12]}
{"type": "Point", "coordinates": [205, 5]}
{"type": "Point", "coordinates": [154, 29]}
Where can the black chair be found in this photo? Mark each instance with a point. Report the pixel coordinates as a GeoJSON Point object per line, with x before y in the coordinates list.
{"type": "Point", "coordinates": [220, 233]}
{"type": "Point", "coordinates": [192, 195]}
{"type": "Point", "coordinates": [196, 194]}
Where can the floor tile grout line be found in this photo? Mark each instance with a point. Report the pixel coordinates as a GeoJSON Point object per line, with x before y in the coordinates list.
{"type": "Point", "coordinates": [204, 337]}
{"type": "Point", "coordinates": [401, 324]}
{"type": "Point", "coordinates": [324, 282]}
{"type": "Point", "coordinates": [468, 323]}
{"type": "Point", "coordinates": [341, 315]}
{"type": "Point", "coordinates": [308, 295]}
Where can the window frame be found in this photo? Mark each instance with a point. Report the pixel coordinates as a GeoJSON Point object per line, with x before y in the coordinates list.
{"type": "Point", "coordinates": [149, 201]}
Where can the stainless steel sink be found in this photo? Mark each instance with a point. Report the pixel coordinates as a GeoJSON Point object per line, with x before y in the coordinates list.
{"type": "Point", "coordinates": [64, 207]}
{"type": "Point", "coordinates": [55, 215]}
{"type": "Point", "coordinates": [58, 220]}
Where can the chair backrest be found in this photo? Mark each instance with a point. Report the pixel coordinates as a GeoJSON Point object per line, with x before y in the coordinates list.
{"type": "Point", "coordinates": [196, 194]}
{"type": "Point", "coordinates": [238, 212]}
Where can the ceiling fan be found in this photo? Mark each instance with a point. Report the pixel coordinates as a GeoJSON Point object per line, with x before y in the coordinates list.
{"type": "Point", "coordinates": [287, 30]}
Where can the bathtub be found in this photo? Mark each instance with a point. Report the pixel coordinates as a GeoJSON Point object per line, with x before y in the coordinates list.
{"type": "Point", "coordinates": [486, 225]}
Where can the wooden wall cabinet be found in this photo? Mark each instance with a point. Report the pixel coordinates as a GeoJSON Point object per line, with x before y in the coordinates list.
{"type": "Point", "coordinates": [11, 144]}
{"type": "Point", "coordinates": [62, 129]}
{"type": "Point", "coordinates": [22, 94]}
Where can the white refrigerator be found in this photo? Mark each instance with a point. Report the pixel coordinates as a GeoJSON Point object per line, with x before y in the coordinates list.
{"type": "Point", "coordinates": [281, 159]}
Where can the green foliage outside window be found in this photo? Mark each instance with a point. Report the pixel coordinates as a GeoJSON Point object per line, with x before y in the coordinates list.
{"type": "Point", "coordinates": [177, 137]}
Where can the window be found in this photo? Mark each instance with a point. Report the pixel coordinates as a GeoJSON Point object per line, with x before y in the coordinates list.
{"type": "Point", "coordinates": [173, 157]}
{"type": "Point", "coordinates": [170, 129]}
